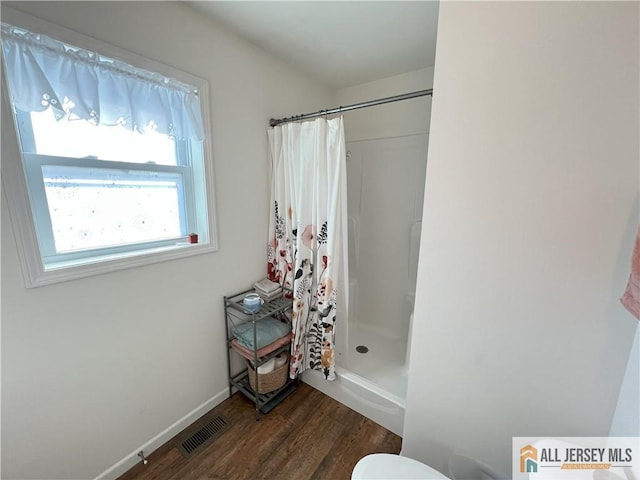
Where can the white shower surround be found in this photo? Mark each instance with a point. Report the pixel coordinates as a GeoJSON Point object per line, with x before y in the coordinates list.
{"type": "Point", "coordinates": [385, 179]}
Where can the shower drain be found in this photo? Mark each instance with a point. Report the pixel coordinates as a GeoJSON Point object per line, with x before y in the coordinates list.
{"type": "Point", "coordinates": [362, 349]}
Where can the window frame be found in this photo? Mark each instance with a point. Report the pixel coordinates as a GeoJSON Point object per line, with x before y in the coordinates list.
{"type": "Point", "coordinates": [17, 193]}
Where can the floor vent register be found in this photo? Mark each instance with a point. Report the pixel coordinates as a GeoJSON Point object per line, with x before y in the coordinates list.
{"type": "Point", "coordinates": [200, 435]}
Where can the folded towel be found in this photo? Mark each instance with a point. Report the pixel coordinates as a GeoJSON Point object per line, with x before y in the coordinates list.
{"type": "Point", "coordinates": [266, 286]}
{"type": "Point", "coordinates": [268, 330]}
{"type": "Point", "coordinates": [631, 297]}
{"type": "Point", "coordinates": [269, 291]}
{"type": "Point", "coordinates": [266, 350]}
{"type": "Point", "coordinates": [271, 296]}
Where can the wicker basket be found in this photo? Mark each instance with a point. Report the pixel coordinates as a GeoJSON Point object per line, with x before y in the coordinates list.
{"type": "Point", "coordinates": [268, 382]}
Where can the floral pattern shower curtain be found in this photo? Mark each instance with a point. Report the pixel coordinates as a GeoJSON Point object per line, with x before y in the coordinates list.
{"type": "Point", "coordinates": [305, 256]}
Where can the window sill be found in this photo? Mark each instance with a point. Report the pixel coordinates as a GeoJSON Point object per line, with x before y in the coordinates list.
{"type": "Point", "coordinates": [71, 270]}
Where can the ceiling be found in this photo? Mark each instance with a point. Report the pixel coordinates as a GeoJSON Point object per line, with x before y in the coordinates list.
{"type": "Point", "coordinates": [340, 44]}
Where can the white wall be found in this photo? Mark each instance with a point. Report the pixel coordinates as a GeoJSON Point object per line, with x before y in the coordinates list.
{"type": "Point", "coordinates": [530, 213]}
{"type": "Point", "coordinates": [626, 419]}
{"type": "Point", "coordinates": [94, 368]}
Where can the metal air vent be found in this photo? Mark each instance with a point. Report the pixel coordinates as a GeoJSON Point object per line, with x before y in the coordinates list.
{"type": "Point", "coordinates": [200, 435]}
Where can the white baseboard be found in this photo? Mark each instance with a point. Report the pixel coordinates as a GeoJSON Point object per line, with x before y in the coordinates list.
{"type": "Point", "coordinates": [163, 437]}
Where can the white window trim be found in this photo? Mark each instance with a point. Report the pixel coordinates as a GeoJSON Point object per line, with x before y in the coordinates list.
{"type": "Point", "coordinates": [14, 181]}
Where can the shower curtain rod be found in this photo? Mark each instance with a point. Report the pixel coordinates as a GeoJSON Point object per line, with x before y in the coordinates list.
{"type": "Point", "coordinates": [405, 96]}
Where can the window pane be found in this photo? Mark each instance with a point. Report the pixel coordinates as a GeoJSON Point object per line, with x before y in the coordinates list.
{"type": "Point", "coordinates": [81, 139]}
{"type": "Point", "coordinates": [95, 208]}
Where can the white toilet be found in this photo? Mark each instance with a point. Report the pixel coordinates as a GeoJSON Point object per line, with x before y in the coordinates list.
{"type": "Point", "coordinates": [387, 466]}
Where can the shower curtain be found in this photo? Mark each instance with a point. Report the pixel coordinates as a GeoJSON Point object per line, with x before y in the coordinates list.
{"type": "Point", "coordinates": [306, 234]}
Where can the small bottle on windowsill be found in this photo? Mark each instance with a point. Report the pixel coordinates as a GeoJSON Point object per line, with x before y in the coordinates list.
{"type": "Point", "coordinates": [192, 238]}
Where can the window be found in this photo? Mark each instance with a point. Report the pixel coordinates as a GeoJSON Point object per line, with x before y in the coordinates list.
{"type": "Point", "coordinates": [112, 165]}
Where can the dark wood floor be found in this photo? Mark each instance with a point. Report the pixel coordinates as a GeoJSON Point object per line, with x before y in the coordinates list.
{"type": "Point", "coordinates": [307, 436]}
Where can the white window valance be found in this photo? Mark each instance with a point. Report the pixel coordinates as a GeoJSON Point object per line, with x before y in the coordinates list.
{"type": "Point", "coordinates": [81, 85]}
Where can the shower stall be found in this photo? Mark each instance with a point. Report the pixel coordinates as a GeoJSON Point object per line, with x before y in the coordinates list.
{"type": "Point", "coordinates": [385, 190]}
